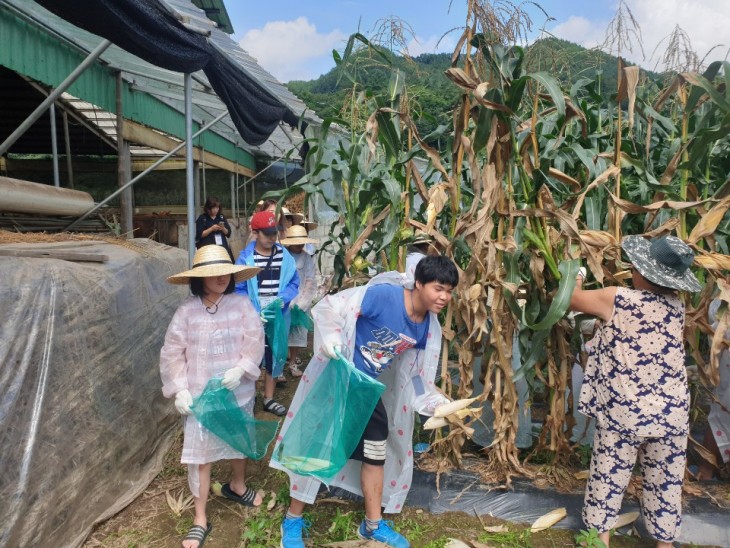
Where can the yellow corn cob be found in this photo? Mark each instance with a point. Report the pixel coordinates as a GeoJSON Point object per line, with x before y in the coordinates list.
{"type": "Point", "coordinates": [548, 520]}
{"type": "Point", "coordinates": [452, 407]}
{"type": "Point", "coordinates": [626, 519]}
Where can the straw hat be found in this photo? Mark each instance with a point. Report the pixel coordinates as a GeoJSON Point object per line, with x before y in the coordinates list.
{"type": "Point", "coordinates": [421, 237]}
{"type": "Point", "coordinates": [213, 260]}
{"type": "Point", "coordinates": [309, 225]}
{"type": "Point", "coordinates": [297, 235]}
{"type": "Point", "coordinates": [296, 217]}
{"type": "Point", "coordinates": [664, 261]}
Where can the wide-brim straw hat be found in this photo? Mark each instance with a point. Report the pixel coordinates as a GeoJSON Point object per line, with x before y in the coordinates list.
{"type": "Point", "coordinates": [309, 225]}
{"type": "Point", "coordinates": [663, 261]}
{"type": "Point", "coordinates": [296, 217]}
{"type": "Point", "coordinates": [213, 260]}
{"type": "Point", "coordinates": [421, 237]}
{"type": "Point", "coordinates": [297, 235]}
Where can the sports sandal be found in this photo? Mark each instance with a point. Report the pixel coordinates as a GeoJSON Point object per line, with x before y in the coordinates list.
{"type": "Point", "coordinates": [280, 380]}
{"type": "Point", "coordinates": [199, 533]}
{"type": "Point", "coordinates": [294, 370]}
{"type": "Point", "coordinates": [246, 499]}
{"type": "Point", "coordinates": [272, 406]}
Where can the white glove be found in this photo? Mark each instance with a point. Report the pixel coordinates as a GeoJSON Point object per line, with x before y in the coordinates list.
{"type": "Point", "coordinates": [232, 378]}
{"type": "Point", "coordinates": [262, 318]}
{"type": "Point", "coordinates": [183, 402]}
{"type": "Point", "coordinates": [330, 350]}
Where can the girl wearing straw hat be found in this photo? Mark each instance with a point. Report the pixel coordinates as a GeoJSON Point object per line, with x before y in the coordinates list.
{"type": "Point", "coordinates": [214, 333]}
{"type": "Point", "coordinates": [635, 387]}
{"type": "Point", "coordinates": [296, 239]}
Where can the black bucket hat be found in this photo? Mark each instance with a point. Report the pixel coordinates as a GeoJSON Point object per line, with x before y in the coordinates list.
{"type": "Point", "coordinates": [664, 261]}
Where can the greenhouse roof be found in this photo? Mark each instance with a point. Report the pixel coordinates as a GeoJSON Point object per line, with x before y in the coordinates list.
{"type": "Point", "coordinates": [46, 48]}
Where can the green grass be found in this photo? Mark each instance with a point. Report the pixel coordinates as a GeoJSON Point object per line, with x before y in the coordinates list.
{"type": "Point", "coordinates": [344, 525]}
{"type": "Point", "coordinates": [508, 539]}
{"type": "Point", "coordinates": [262, 530]}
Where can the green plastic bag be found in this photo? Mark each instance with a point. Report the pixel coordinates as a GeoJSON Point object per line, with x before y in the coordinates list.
{"type": "Point", "coordinates": [299, 318]}
{"type": "Point", "coordinates": [277, 335]}
{"type": "Point", "coordinates": [217, 409]}
{"type": "Point", "coordinates": [330, 421]}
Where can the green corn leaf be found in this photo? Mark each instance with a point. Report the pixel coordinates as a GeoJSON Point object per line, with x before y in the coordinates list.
{"type": "Point", "coordinates": [561, 302]}
{"type": "Point", "coordinates": [552, 86]}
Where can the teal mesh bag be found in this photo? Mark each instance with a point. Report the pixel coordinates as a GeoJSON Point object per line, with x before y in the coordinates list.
{"type": "Point", "coordinates": [217, 409]}
{"type": "Point", "coordinates": [299, 318]}
{"type": "Point", "coordinates": [330, 421]}
{"type": "Point", "coordinates": [277, 335]}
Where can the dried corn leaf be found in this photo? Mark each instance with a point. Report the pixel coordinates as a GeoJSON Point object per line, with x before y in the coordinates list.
{"type": "Point", "coordinates": [548, 520]}
{"type": "Point", "coordinates": [180, 503]}
{"type": "Point", "coordinates": [455, 543]}
{"type": "Point", "coordinates": [629, 207]}
{"type": "Point", "coordinates": [496, 528]}
{"type": "Point", "coordinates": [582, 475]}
{"type": "Point", "coordinates": [628, 89]}
{"type": "Point", "coordinates": [461, 78]}
{"type": "Point", "coordinates": [709, 221]}
{"type": "Point", "coordinates": [713, 261]}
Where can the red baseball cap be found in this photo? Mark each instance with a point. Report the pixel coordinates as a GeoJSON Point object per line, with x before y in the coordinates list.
{"type": "Point", "coordinates": [264, 221]}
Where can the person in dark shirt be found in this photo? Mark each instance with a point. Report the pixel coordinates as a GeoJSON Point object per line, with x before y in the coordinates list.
{"type": "Point", "coordinates": [212, 228]}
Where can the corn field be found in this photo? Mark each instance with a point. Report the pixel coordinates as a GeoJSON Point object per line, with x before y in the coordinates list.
{"type": "Point", "coordinates": [532, 179]}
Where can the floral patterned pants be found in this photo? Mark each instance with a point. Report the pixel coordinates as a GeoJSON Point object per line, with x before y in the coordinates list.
{"type": "Point", "coordinates": [662, 462]}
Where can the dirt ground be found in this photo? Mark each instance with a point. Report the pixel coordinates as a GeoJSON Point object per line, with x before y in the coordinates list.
{"type": "Point", "coordinates": [162, 514]}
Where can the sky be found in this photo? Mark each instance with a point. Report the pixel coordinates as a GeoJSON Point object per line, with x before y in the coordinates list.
{"type": "Point", "coordinates": [294, 40]}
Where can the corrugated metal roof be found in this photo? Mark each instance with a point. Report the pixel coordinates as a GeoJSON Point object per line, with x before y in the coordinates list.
{"type": "Point", "coordinates": [167, 86]}
{"type": "Point", "coordinates": [216, 11]}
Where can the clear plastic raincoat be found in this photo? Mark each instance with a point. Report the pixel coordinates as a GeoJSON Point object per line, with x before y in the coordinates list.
{"type": "Point", "coordinates": [199, 346]}
{"type": "Point", "coordinates": [307, 290]}
{"type": "Point", "coordinates": [409, 389]}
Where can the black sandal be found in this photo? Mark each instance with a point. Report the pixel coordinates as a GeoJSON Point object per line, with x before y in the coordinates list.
{"type": "Point", "coordinates": [199, 533]}
{"type": "Point", "coordinates": [246, 499]}
{"type": "Point", "coordinates": [275, 407]}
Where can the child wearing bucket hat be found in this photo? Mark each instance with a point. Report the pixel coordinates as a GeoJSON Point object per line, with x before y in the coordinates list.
{"type": "Point", "coordinates": [635, 387]}
{"type": "Point", "coordinates": [214, 333]}
{"type": "Point", "coordinates": [296, 239]}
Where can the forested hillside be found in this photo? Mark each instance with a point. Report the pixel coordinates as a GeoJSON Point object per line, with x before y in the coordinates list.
{"type": "Point", "coordinates": [432, 95]}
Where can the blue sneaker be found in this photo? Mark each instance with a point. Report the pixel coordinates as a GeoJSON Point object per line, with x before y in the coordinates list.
{"type": "Point", "coordinates": [291, 532]}
{"type": "Point", "coordinates": [383, 534]}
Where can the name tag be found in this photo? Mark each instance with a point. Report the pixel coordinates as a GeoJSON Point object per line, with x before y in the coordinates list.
{"type": "Point", "coordinates": [218, 239]}
{"type": "Point", "coordinates": [266, 301]}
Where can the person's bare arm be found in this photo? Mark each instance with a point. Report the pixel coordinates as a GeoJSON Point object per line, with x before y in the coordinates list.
{"type": "Point", "coordinates": [596, 302]}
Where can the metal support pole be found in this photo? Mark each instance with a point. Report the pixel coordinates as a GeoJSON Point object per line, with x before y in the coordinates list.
{"type": "Point", "coordinates": [196, 184]}
{"type": "Point", "coordinates": [189, 165]}
{"type": "Point", "coordinates": [63, 86]}
{"type": "Point", "coordinates": [67, 141]}
{"type": "Point", "coordinates": [204, 196]}
{"type": "Point", "coordinates": [123, 174]}
{"type": "Point", "coordinates": [54, 145]}
{"type": "Point", "coordinates": [233, 196]}
{"type": "Point", "coordinates": [145, 172]}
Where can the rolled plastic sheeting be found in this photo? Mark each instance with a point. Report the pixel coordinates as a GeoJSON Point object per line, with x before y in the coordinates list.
{"type": "Point", "coordinates": [83, 424]}
{"type": "Point", "coordinates": [25, 197]}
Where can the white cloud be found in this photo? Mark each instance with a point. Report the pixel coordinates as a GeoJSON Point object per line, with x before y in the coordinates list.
{"type": "Point", "coordinates": [293, 50]}
{"type": "Point", "coordinates": [432, 44]}
{"type": "Point", "coordinates": [706, 22]}
{"type": "Point", "coordinates": [580, 31]}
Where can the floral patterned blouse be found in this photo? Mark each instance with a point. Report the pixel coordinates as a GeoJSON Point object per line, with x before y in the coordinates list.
{"type": "Point", "coordinates": [635, 380]}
